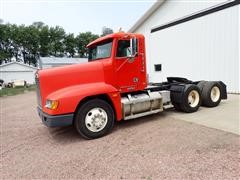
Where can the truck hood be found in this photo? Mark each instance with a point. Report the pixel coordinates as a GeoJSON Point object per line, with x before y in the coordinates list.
{"type": "Point", "coordinates": [57, 78]}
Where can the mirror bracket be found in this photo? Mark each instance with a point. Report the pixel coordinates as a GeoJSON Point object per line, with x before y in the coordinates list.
{"type": "Point", "coordinates": [133, 49]}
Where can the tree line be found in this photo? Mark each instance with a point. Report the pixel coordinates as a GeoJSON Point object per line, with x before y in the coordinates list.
{"type": "Point", "coordinates": [28, 43]}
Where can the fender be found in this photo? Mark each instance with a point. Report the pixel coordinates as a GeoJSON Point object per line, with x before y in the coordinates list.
{"type": "Point", "coordinates": [71, 96]}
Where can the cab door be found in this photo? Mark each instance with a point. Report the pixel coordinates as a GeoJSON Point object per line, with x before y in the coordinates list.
{"type": "Point", "coordinates": [127, 69]}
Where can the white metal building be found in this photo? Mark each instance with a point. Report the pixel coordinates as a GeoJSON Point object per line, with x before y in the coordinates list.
{"type": "Point", "coordinates": [50, 62]}
{"type": "Point", "coordinates": [17, 71]}
{"type": "Point", "coordinates": [198, 40]}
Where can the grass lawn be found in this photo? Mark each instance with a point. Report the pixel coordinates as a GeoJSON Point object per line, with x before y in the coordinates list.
{"type": "Point", "coordinates": [16, 90]}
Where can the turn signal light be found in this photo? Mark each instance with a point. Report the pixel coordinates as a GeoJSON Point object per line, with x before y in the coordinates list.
{"type": "Point", "coordinates": [51, 104]}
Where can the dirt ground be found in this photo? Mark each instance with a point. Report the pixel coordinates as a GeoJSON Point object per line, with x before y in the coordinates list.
{"type": "Point", "coordinates": [153, 147]}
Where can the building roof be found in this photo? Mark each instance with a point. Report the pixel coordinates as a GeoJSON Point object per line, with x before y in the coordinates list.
{"type": "Point", "coordinates": [146, 15]}
{"type": "Point", "coordinates": [14, 62]}
{"type": "Point", "coordinates": [61, 60]}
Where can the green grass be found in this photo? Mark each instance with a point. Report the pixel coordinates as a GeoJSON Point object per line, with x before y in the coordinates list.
{"type": "Point", "coordinates": [16, 90]}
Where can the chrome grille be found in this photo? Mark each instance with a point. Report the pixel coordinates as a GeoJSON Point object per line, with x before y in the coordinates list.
{"type": "Point", "coordinates": [39, 98]}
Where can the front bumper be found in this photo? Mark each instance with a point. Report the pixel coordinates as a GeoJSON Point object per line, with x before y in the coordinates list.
{"type": "Point", "coordinates": [55, 121]}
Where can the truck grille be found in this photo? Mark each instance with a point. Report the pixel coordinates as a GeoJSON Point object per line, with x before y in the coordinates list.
{"type": "Point", "coordinates": [39, 98]}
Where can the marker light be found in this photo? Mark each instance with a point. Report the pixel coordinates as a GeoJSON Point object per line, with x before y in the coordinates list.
{"type": "Point", "coordinates": [51, 104]}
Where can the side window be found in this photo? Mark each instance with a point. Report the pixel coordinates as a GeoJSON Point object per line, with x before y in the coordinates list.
{"type": "Point", "coordinates": [123, 48]}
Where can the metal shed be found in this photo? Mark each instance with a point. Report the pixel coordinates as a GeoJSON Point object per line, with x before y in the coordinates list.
{"type": "Point", "coordinates": [50, 62]}
{"type": "Point", "coordinates": [16, 71]}
{"type": "Point", "coordinates": [193, 39]}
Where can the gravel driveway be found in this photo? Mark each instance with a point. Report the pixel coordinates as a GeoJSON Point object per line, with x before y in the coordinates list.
{"type": "Point", "coordinates": [153, 147]}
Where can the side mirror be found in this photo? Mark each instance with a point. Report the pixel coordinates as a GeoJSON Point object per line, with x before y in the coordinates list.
{"type": "Point", "coordinates": [132, 48]}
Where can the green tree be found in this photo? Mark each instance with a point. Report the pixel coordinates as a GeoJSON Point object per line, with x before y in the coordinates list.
{"type": "Point", "coordinates": [24, 41]}
{"type": "Point", "coordinates": [44, 41]}
{"type": "Point", "coordinates": [14, 40]}
{"type": "Point", "coordinates": [83, 39]}
{"type": "Point", "coordinates": [32, 46]}
{"type": "Point", "coordinates": [5, 44]}
{"type": "Point", "coordinates": [27, 43]}
{"type": "Point", "coordinates": [38, 24]}
{"type": "Point", "coordinates": [20, 41]}
{"type": "Point", "coordinates": [57, 35]}
{"type": "Point", "coordinates": [70, 45]}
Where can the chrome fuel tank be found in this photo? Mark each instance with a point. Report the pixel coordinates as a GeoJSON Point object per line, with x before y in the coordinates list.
{"type": "Point", "coordinates": [138, 105]}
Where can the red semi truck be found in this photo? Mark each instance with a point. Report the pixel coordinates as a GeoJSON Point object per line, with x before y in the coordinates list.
{"type": "Point", "coordinates": [113, 86]}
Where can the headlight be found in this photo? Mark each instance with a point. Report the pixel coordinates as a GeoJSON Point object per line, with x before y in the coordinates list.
{"type": "Point", "coordinates": [51, 104]}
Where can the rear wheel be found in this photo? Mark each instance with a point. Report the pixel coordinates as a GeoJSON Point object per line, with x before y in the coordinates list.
{"type": "Point", "coordinates": [191, 99]}
{"type": "Point", "coordinates": [94, 119]}
{"type": "Point", "coordinates": [201, 84]}
{"type": "Point", "coordinates": [211, 94]}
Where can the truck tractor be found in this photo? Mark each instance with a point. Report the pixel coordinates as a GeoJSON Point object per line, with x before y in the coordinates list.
{"type": "Point", "coordinates": [113, 86]}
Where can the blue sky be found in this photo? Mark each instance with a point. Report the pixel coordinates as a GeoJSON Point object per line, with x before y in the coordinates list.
{"type": "Point", "coordinates": [75, 15]}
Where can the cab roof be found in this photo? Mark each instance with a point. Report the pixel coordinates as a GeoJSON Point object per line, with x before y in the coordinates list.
{"type": "Point", "coordinates": [112, 36]}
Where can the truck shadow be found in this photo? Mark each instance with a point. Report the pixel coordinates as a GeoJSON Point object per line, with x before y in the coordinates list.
{"type": "Point", "coordinates": [138, 121]}
{"type": "Point", "coordinates": [66, 135]}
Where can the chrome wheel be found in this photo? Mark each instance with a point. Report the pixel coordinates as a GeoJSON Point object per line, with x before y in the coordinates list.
{"type": "Point", "coordinates": [96, 119]}
{"type": "Point", "coordinates": [193, 98]}
{"type": "Point", "coordinates": [215, 94]}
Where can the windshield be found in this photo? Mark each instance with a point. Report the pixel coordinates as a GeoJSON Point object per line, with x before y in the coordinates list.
{"type": "Point", "coordinates": [100, 51]}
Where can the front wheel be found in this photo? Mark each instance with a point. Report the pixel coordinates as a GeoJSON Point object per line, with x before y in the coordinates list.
{"type": "Point", "coordinates": [94, 119]}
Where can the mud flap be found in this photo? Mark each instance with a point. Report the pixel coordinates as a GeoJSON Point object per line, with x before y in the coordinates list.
{"type": "Point", "coordinates": [223, 90]}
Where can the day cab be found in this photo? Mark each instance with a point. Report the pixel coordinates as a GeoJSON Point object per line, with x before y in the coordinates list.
{"type": "Point", "coordinates": [112, 86]}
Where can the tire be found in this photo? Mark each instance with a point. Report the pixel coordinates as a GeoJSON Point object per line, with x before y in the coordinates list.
{"type": "Point", "coordinates": [201, 84]}
{"type": "Point", "coordinates": [191, 98]}
{"type": "Point", "coordinates": [211, 94]}
{"type": "Point", "coordinates": [94, 119]}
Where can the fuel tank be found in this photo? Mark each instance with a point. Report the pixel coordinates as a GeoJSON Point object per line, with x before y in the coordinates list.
{"type": "Point", "coordinates": [138, 105]}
